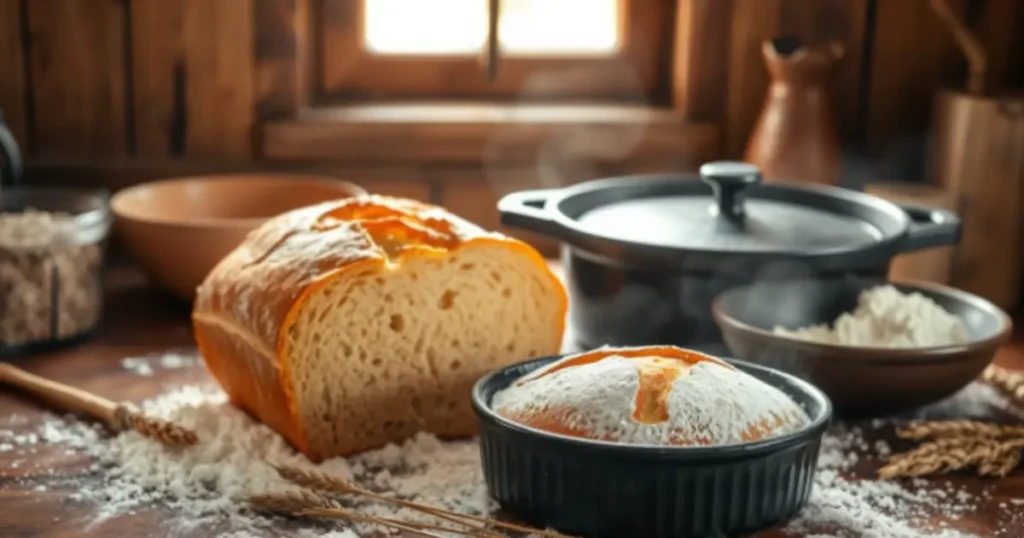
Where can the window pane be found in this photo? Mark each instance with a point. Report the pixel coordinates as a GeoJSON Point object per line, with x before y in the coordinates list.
{"type": "Point", "coordinates": [426, 26]}
{"type": "Point", "coordinates": [562, 27]}
{"type": "Point", "coordinates": [528, 27]}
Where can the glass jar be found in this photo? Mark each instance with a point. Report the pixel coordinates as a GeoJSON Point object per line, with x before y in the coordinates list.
{"type": "Point", "coordinates": [52, 245]}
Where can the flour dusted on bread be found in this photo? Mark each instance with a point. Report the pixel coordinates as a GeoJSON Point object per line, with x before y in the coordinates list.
{"type": "Point", "coordinates": [355, 323]}
{"type": "Point", "coordinates": [649, 395]}
{"type": "Point", "coordinates": [886, 317]}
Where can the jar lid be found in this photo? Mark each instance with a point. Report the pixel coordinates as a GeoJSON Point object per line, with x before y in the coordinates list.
{"type": "Point", "coordinates": [83, 215]}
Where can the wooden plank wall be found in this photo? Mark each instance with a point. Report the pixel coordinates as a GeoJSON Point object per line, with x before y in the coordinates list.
{"type": "Point", "coordinates": [109, 78]}
{"type": "Point", "coordinates": [191, 79]}
{"type": "Point", "coordinates": [77, 77]}
{"type": "Point", "coordinates": [898, 54]}
{"type": "Point", "coordinates": [192, 63]}
{"type": "Point", "coordinates": [13, 98]}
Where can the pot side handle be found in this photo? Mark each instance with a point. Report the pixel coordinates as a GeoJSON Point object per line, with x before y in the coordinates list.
{"type": "Point", "coordinates": [527, 210]}
{"type": "Point", "coordinates": [930, 228]}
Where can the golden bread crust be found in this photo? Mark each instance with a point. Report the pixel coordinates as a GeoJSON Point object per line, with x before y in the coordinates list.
{"type": "Point", "coordinates": [649, 395]}
{"type": "Point", "coordinates": [244, 308]}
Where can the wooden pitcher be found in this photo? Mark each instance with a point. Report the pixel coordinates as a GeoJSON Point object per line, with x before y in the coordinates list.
{"type": "Point", "coordinates": [796, 138]}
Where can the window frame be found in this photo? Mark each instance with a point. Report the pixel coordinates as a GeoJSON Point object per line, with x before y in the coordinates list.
{"type": "Point", "coordinates": [639, 72]}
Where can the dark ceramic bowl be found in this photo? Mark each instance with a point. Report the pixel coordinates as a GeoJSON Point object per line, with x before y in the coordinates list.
{"type": "Point", "coordinates": [861, 381]}
{"type": "Point", "coordinates": [600, 489]}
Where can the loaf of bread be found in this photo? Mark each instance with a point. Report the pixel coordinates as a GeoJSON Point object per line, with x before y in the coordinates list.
{"type": "Point", "coordinates": [354, 323]}
{"type": "Point", "coordinates": [649, 395]}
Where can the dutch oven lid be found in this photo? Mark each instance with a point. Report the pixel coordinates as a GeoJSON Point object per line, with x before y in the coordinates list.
{"type": "Point", "coordinates": [730, 220]}
{"type": "Point", "coordinates": [727, 213]}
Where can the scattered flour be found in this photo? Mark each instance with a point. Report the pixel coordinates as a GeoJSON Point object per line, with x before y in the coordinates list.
{"type": "Point", "coordinates": [886, 317]}
{"type": "Point", "coordinates": [847, 507]}
{"type": "Point", "coordinates": [978, 401]}
{"type": "Point", "coordinates": [897, 509]}
{"type": "Point", "coordinates": [138, 366]}
{"type": "Point", "coordinates": [332, 534]}
{"type": "Point", "coordinates": [202, 485]}
{"type": "Point", "coordinates": [146, 366]}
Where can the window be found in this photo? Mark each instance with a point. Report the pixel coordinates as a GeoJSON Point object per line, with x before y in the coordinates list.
{"type": "Point", "coordinates": [538, 49]}
{"type": "Point", "coordinates": [526, 27]}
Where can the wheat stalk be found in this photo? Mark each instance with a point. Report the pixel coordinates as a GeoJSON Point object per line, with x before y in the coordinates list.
{"type": "Point", "coordinates": [422, 529]}
{"type": "Point", "coordinates": [305, 502]}
{"type": "Point", "coordinates": [933, 448]}
{"type": "Point", "coordinates": [1000, 465]}
{"type": "Point", "coordinates": [128, 418]}
{"type": "Point", "coordinates": [957, 428]}
{"type": "Point", "coordinates": [944, 455]}
{"type": "Point", "coordinates": [958, 444]}
{"type": "Point", "coordinates": [991, 456]}
{"type": "Point", "coordinates": [317, 480]}
{"type": "Point", "coordinates": [1009, 381]}
{"type": "Point", "coordinates": [967, 456]}
{"type": "Point", "coordinates": [290, 501]}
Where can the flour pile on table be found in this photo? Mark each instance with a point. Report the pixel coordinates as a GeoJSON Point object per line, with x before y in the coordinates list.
{"type": "Point", "coordinates": [854, 508]}
{"type": "Point", "coordinates": [205, 486]}
{"type": "Point", "coordinates": [901, 508]}
{"type": "Point", "coordinates": [146, 366]}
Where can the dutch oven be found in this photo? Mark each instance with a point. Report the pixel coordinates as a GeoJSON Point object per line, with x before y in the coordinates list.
{"type": "Point", "coordinates": [645, 256]}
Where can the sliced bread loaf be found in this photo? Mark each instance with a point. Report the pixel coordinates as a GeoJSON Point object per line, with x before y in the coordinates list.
{"type": "Point", "coordinates": [355, 323]}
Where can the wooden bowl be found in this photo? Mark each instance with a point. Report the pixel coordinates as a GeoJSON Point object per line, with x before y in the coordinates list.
{"type": "Point", "coordinates": [861, 381]}
{"type": "Point", "coordinates": [178, 229]}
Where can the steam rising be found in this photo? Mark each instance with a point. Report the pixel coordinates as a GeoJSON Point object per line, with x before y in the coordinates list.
{"type": "Point", "coordinates": [580, 140]}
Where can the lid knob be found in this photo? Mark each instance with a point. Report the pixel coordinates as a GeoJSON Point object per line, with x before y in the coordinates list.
{"type": "Point", "coordinates": [729, 181]}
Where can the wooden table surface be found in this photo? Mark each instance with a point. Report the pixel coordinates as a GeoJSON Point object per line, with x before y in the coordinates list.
{"type": "Point", "coordinates": [140, 321]}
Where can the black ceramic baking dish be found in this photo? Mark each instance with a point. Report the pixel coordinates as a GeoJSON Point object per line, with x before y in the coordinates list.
{"type": "Point", "coordinates": [600, 489]}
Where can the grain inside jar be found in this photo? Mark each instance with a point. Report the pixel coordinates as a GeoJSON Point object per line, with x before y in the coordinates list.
{"type": "Point", "coordinates": [50, 286]}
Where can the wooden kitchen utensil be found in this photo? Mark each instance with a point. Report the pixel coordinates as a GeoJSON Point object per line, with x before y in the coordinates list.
{"type": "Point", "coordinates": [117, 416]}
{"type": "Point", "coordinates": [796, 138]}
{"type": "Point", "coordinates": [977, 154]}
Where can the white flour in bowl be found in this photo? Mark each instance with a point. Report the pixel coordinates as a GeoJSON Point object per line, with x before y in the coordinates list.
{"type": "Point", "coordinates": [886, 317]}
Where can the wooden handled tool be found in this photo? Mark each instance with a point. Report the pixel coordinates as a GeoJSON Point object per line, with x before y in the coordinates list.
{"type": "Point", "coordinates": [118, 416]}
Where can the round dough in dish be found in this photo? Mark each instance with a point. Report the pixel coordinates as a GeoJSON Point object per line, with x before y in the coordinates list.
{"type": "Point", "coordinates": [657, 395]}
